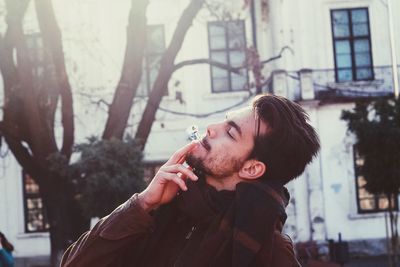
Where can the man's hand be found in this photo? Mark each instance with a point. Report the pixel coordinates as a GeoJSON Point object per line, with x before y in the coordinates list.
{"type": "Point", "coordinates": [169, 178]}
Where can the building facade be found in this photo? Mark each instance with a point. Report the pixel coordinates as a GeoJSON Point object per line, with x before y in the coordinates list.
{"type": "Point", "coordinates": [331, 52]}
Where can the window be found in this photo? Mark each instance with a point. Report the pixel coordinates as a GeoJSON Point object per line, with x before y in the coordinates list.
{"type": "Point", "coordinates": [36, 52]}
{"type": "Point", "coordinates": [154, 50]}
{"type": "Point", "coordinates": [227, 45]}
{"type": "Point", "coordinates": [41, 63]}
{"type": "Point", "coordinates": [367, 202]}
{"type": "Point", "coordinates": [35, 214]}
{"type": "Point", "coordinates": [352, 45]}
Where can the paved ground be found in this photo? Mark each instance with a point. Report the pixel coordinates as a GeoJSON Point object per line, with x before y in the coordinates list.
{"type": "Point", "coordinates": [32, 262]}
{"type": "Point", "coordinates": [381, 261]}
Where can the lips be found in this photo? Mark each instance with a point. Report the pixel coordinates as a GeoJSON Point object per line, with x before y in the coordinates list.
{"type": "Point", "coordinates": [205, 144]}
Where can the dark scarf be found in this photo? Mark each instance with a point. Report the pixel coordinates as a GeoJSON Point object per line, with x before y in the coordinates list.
{"type": "Point", "coordinates": [242, 221]}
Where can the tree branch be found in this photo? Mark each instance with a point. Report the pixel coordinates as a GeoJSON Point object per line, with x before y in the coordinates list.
{"type": "Point", "coordinates": [263, 62]}
{"type": "Point", "coordinates": [225, 66]}
{"type": "Point", "coordinates": [120, 108]}
{"type": "Point", "coordinates": [52, 41]}
{"type": "Point", "coordinates": [166, 70]}
{"type": "Point", "coordinates": [207, 61]}
{"type": "Point", "coordinates": [21, 153]}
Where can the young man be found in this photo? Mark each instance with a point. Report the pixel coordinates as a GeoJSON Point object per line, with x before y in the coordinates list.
{"type": "Point", "coordinates": [226, 209]}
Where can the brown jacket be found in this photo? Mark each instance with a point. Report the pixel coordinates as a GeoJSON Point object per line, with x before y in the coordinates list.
{"type": "Point", "coordinates": [116, 240]}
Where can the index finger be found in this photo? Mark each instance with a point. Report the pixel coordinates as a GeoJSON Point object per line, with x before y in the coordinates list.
{"type": "Point", "coordinates": [181, 153]}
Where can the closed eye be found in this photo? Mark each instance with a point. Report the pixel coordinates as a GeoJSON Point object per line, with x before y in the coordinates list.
{"type": "Point", "coordinates": [229, 134]}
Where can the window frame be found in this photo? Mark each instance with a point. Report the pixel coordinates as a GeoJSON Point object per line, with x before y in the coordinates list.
{"type": "Point", "coordinates": [27, 196]}
{"type": "Point", "coordinates": [357, 173]}
{"type": "Point", "coordinates": [227, 50]}
{"type": "Point", "coordinates": [351, 40]}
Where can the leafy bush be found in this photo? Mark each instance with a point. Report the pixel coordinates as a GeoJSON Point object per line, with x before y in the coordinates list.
{"type": "Point", "coordinates": [107, 173]}
{"type": "Point", "coordinates": [377, 127]}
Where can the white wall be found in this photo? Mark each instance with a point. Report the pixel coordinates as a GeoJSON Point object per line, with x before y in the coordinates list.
{"type": "Point", "coordinates": [94, 43]}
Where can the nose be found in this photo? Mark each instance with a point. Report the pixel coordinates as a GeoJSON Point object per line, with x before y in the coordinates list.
{"type": "Point", "coordinates": [212, 130]}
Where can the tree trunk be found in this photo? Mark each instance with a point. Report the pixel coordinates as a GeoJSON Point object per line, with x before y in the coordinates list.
{"type": "Point", "coordinates": [166, 69]}
{"type": "Point", "coordinates": [28, 132]}
{"type": "Point", "coordinates": [120, 108]}
{"type": "Point", "coordinates": [52, 42]}
{"type": "Point", "coordinates": [65, 218]}
{"type": "Point", "coordinates": [60, 231]}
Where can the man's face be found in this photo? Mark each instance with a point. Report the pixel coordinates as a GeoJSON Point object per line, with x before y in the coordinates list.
{"type": "Point", "coordinates": [226, 145]}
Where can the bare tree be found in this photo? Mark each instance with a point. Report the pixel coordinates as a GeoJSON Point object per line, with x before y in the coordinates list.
{"type": "Point", "coordinates": [30, 102]}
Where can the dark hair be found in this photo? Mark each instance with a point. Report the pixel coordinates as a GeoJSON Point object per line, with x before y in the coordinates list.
{"type": "Point", "coordinates": [4, 242]}
{"type": "Point", "coordinates": [290, 143]}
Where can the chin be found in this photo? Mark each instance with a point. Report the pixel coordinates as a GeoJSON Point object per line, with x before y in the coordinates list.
{"type": "Point", "coordinates": [193, 161]}
{"type": "Point", "coordinates": [197, 165]}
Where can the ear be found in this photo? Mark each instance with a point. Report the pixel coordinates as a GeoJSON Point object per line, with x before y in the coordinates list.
{"type": "Point", "coordinates": [252, 169]}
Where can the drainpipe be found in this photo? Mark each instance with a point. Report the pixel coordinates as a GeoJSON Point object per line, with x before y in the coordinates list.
{"type": "Point", "coordinates": [254, 36]}
{"type": "Point", "coordinates": [253, 23]}
{"type": "Point", "coordinates": [393, 50]}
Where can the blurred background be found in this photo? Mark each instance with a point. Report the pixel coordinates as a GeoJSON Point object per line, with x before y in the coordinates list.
{"type": "Point", "coordinates": [97, 94]}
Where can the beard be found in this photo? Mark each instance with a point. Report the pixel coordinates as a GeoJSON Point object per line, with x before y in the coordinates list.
{"type": "Point", "coordinates": [198, 166]}
{"type": "Point", "coordinates": [220, 170]}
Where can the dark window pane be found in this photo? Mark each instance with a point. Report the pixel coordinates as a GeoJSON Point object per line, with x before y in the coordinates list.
{"type": "Point", "coordinates": [237, 58]}
{"type": "Point", "coordinates": [35, 219]}
{"type": "Point", "coordinates": [142, 90]}
{"type": "Point", "coordinates": [345, 75]}
{"type": "Point", "coordinates": [360, 29]}
{"type": "Point", "coordinates": [361, 181]}
{"type": "Point", "coordinates": [363, 60]}
{"type": "Point", "coordinates": [219, 73]}
{"type": "Point", "coordinates": [343, 47]}
{"type": "Point", "coordinates": [341, 24]}
{"type": "Point", "coordinates": [217, 36]}
{"type": "Point", "coordinates": [30, 186]}
{"type": "Point", "coordinates": [359, 15]}
{"type": "Point", "coordinates": [217, 29]}
{"type": "Point", "coordinates": [219, 56]}
{"type": "Point", "coordinates": [239, 82]}
{"type": "Point", "coordinates": [367, 204]}
{"type": "Point", "coordinates": [361, 46]}
{"type": "Point", "coordinates": [30, 42]}
{"type": "Point", "coordinates": [227, 43]}
{"type": "Point", "coordinates": [341, 31]}
{"type": "Point", "coordinates": [236, 35]}
{"type": "Point", "coordinates": [153, 62]}
{"type": "Point", "coordinates": [363, 193]}
{"type": "Point", "coordinates": [220, 84]}
{"type": "Point", "coordinates": [155, 39]}
{"type": "Point", "coordinates": [364, 73]}
{"type": "Point", "coordinates": [341, 17]}
{"type": "Point", "coordinates": [343, 61]}
{"type": "Point", "coordinates": [155, 47]}
{"type": "Point", "coordinates": [383, 203]}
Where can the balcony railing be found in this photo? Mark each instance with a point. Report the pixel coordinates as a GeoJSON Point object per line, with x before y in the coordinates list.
{"type": "Point", "coordinates": [321, 85]}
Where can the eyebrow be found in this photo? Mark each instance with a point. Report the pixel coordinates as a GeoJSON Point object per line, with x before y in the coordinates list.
{"type": "Point", "coordinates": [234, 125]}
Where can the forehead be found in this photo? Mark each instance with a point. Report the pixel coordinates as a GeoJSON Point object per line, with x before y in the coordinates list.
{"type": "Point", "coordinates": [248, 121]}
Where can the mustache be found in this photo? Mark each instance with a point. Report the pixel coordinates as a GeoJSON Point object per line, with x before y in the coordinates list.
{"type": "Point", "coordinates": [205, 143]}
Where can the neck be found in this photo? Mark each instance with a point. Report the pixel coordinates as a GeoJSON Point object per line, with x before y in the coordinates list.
{"type": "Point", "coordinates": [222, 183]}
